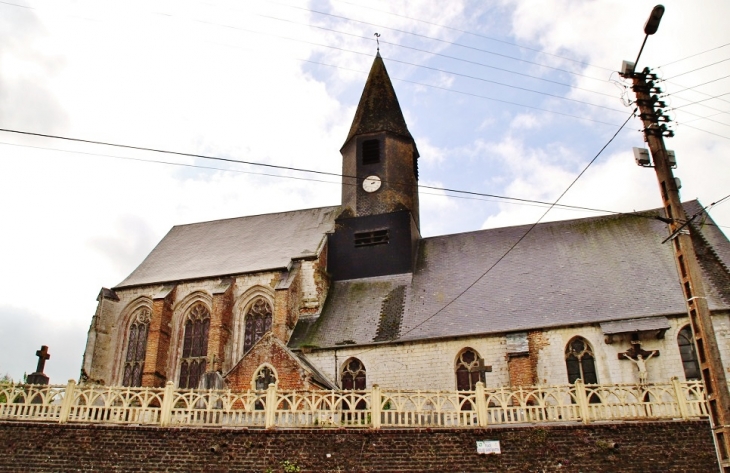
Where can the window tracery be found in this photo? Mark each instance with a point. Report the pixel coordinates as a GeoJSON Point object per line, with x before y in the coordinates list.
{"type": "Point", "coordinates": [580, 361]}
{"type": "Point", "coordinates": [258, 322]}
{"type": "Point", "coordinates": [264, 376]}
{"type": "Point", "coordinates": [353, 375]}
{"type": "Point", "coordinates": [136, 348]}
{"type": "Point", "coordinates": [468, 370]}
{"type": "Point", "coordinates": [195, 346]}
{"type": "Point", "coordinates": [688, 353]}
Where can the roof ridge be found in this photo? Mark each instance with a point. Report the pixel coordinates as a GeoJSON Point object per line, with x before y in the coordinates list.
{"type": "Point", "coordinates": [255, 215]}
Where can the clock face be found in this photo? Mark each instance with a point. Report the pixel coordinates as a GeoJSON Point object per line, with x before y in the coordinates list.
{"type": "Point", "coordinates": [371, 183]}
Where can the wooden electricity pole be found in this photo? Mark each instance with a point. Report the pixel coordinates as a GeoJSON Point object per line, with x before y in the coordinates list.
{"type": "Point", "coordinates": [713, 373]}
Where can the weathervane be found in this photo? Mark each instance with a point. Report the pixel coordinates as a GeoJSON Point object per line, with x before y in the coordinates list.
{"type": "Point", "coordinates": [377, 40]}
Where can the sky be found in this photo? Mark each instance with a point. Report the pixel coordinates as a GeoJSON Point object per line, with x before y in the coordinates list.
{"type": "Point", "coordinates": [509, 98]}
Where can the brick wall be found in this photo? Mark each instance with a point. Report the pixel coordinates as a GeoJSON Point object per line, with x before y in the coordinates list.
{"type": "Point", "coordinates": [640, 447]}
{"type": "Point", "coordinates": [269, 350]}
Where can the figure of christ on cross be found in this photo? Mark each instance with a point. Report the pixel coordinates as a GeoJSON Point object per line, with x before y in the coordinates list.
{"type": "Point", "coordinates": [639, 357]}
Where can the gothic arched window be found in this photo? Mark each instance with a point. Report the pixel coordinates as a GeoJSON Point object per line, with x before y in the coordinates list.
{"type": "Point", "coordinates": [258, 322]}
{"type": "Point", "coordinates": [195, 346]}
{"type": "Point", "coordinates": [580, 361]}
{"type": "Point", "coordinates": [467, 370]}
{"type": "Point", "coordinates": [264, 376]}
{"type": "Point", "coordinates": [136, 348]}
{"type": "Point", "coordinates": [353, 375]}
{"type": "Point", "coordinates": [688, 353]}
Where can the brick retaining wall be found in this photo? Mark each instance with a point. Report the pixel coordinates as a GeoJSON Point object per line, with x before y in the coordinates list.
{"type": "Point", "coordinates": [679, 446]}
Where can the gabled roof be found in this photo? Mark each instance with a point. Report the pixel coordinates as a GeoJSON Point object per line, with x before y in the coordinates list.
{"type": "Point", "coordinates": [378, 109]}
{"type": "Point", "coordinates": [563, 273]}
{"type": "Point", "coordinates": [234, 246]}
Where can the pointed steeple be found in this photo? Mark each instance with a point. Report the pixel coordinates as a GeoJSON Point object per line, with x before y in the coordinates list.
{"type": "Point", "coordinates": [378, 109]}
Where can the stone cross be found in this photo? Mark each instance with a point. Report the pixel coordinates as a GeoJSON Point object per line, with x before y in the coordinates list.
{"type": "Point", "coordinates": [482, 370]}
{"type": "Point", "coordinates": [42, 355]}
{"type": "Point", "coordinates": [638, 356]}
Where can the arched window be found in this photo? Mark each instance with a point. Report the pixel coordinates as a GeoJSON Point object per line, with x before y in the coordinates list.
{"type": "Point", "coordinates": [468, 368]}
{"type": "Point", "coordinates": [580, 361]}
{"type": "Point", "coordinates": [353, 375]}
{"type": "Point", "coordinates": [264, 376]}
{"type": "Point", "coordinates": [195, 346]}
{"type": "Point", "coordinates": [136, 348]}
{"type": "Point", "coordinates": [258, 322]}
{"type": "Point", "coordinates": [688, 353]}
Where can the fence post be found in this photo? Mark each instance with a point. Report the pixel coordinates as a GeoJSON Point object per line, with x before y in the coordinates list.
{"type": "Point", "coordinates": [482, 413]}
{"type": "Point", "coordinates": [582, 398]}
{"type": "Point", "coordinates": [166, 408]}
{"type": "Point", "coordinates": [376, 403]}
{"type": "Point", "coordinates": [271, 406]}
{"type": "Point", "coordinates": [68, 400]}
{"type": "Point", "coordinates": [681, 401]}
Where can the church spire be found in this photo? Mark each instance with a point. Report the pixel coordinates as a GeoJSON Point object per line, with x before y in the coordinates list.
{"type": "Point", "coordinates": [378, 109]}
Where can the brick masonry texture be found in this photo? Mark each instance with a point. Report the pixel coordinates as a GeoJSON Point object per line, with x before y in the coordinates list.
{"type": "Point", "coordinates": [681, 446]}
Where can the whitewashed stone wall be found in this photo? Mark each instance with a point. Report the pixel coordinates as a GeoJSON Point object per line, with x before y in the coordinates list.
{"type": "Point", "coordinates": [430, 365]}
{"type": "Point", "coordinates": [416, 365]}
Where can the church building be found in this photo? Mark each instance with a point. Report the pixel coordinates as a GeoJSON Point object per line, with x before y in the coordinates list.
{"type": "Point", "coordinates": [348, 296]}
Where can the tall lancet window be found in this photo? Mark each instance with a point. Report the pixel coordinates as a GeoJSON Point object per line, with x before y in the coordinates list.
{"type": "Point", "coordinates": [195, 346]}
{"type": "Point", "coordinates": [258, 322]}
{"type": "Point", "coordinates": [136, 348]}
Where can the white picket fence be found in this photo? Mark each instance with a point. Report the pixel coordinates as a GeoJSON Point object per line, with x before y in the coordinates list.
{"type": "Point", "coordinates": [372, 408]}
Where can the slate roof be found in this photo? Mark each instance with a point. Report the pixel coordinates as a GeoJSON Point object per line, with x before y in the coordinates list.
{"type": "Point", "coordinates": [563, 273]}
{"type": "Point", "coordinates": [234, 246]}
{"type": "Point", "coordinates": [378, 109]}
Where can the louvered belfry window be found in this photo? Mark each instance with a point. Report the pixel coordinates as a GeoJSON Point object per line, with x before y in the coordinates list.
{"type": "Point", "coordinates": [375, 237]}
{"type": "Point", "coordinates": [370, 151]}
{"type": "Point", "coordinates": [136, 348]}
{"type": "Point", "coordinates": [195, 346]}
{"type": "Point", "coordinates": [258, 322]}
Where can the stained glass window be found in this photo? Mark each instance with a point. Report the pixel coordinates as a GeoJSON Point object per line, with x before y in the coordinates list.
{"type": "Point", "coordinates": [195, 346]}
{"type": "Point", "coordinates": [136, 348]}
{"type": "Point", "coordinates": [258, 322]}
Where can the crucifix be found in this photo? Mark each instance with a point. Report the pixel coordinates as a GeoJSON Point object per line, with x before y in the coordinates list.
{"type": "Point", "coordinates": [42, 355]}
{"type": "Point", "coordinates": [482, 370]}
{"type": "Point", "coordinates": [639, 357]}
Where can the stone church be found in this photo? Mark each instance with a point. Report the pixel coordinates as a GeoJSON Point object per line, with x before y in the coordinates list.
{"type": "Point", "coordinates": [349, 296]}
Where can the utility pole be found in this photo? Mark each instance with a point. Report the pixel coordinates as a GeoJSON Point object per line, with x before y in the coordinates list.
{"type": "Point", "coordinates": [713, 373]}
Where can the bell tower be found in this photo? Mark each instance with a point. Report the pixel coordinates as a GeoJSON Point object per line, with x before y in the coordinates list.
{"type": "Point", "coordinates": [378, 231]}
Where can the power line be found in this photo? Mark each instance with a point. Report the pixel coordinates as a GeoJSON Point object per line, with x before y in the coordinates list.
{"type": "Point", "coordinates": [519, 240]}
{"type": "Point", "coordinates": [254, 163]}
{"type": "Point", "coordinates": [505, 85]}
{"type": "Point", "coordinates": [469, 195]}
{"type": "Point", "coordinates": [436, 39]}
{"type": "Point", "coordinates": [704, 131]}
{"type": "Point", "coordinates": [697, 69]}
{"type": "Point", "coordinates": [408, 63]}
{"type": "Point", "coordinates": [491, 38]}
{"type": "Point", "coordinates": [700, 101]}
{"type": "Point", "coordinates": [446, 56]}
{"type": "Point", "coordinates": [697, 54]}
{"type": "Point", "coordinates": [426, 67]}
{"type": "Point", "coordinates": [699, 117]}
{"type": "Point", "coordinates": [695, 86]}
